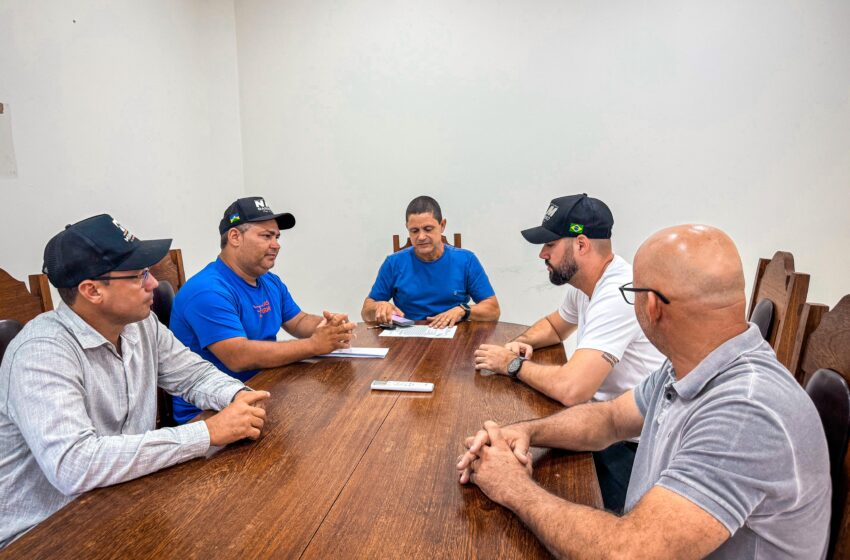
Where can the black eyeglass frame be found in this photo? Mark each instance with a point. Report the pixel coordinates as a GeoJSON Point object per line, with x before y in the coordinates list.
{"type": "Point", "coordinates": [143, 276]}
{"type": "Point", "coordinates": [624, 288]}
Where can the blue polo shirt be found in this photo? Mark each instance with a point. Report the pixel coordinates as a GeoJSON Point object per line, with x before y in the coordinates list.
{"type": "Point", "coordinates": [216, 304]}
{"type": "Point", "coordinates": [424, 289]}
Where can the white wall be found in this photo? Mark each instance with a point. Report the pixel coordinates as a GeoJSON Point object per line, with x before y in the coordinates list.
{"type": "Point", "coordinates": [735, 114]}
{"type": "Point", "coordinates": [731, 113]}
{"type": "Point", "coordinates": [124, 107]}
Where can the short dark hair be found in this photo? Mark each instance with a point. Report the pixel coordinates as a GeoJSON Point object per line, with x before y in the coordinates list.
{"type": "Point", "coordinates": [423, 205]}
{"type": "Point", "coordinates": [68, 295]}
{"type": "Point", "coordinates": [242, 229]}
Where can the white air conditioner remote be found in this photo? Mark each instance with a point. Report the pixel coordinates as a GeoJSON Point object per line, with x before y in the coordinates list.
{"type": "Point", "coordinates": [411, 386]}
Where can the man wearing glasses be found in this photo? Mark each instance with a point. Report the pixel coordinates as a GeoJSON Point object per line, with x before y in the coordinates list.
{"type": "Point", "coordinates": [231, 311]}
{"type": "Point", "coordinates": [612, 354]}
{"type": "Point", "coordinates": [78, 384]}
{"type": "Point", "coordinates": [733, 460]}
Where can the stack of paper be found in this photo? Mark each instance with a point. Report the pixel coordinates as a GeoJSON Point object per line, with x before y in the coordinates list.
{"type": "Point", "coordinates": [354, 352]}
{"type": "Point", "coordinates": [421, 331]}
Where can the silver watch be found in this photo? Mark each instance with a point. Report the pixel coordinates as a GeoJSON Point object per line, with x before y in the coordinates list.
{"type": "Point", "coordinates": [515, 366]}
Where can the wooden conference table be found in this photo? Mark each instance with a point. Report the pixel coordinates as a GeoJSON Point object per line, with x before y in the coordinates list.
{"type": "Point", "coordinates": [340, 472]}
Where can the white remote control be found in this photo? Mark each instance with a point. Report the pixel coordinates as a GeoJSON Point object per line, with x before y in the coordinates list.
{"type": "Point", "coordinates": [412, 386]}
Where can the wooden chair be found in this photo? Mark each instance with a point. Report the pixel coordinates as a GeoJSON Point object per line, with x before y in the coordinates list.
{"type": "Point", "coordinates": [397, 240]}
{"type": "Point", "coordinates": [170, 269]}
{"type": "Point", "coordinates": [20, 304]}
{"type": "Point", "coordinates": [828, 390]}
{"type": "Point", "coordinates": [823, 343]}
{"type": "Point", "coordinates": [163, 299]}
{"type": "Point", "coordinates": [8, 329]}
{"type": "Point", "coordinates": [762, 317]}
{"type": "Point", "coordinates": [777, 282]}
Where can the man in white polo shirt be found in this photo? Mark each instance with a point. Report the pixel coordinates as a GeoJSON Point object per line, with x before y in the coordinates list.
{"type": "Point", "coordinates": [612, 354]}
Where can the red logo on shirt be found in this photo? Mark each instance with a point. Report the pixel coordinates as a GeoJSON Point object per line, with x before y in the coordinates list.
{"type": "Point", "coordinates": [263, 308]}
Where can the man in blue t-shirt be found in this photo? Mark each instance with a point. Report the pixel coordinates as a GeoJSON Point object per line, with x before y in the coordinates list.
{"type": "Point", "coordinates": [231, 311]}
{"type": "Point", "coordinates": [430, 280]}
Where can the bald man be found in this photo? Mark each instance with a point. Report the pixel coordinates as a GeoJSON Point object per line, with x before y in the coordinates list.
{"type": "Point", "coordinates": [733, 460]}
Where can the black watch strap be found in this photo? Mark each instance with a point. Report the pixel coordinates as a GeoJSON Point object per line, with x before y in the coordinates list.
{"type": "Point", "coordinates": [514, 366]}
{"type": "Point", "coordinates": [466, 311]}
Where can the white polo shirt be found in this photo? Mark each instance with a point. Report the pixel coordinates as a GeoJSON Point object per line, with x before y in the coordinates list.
{"type": "Point", "coordinates": [608, 324]}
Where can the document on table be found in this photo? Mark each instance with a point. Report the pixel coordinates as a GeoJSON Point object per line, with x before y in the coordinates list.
{"type": "Point", "coordinates": [355, 352]}
{"type": "Point", "coordinates": [421, 331]}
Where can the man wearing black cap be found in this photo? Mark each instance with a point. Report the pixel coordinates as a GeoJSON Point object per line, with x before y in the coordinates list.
{"type": "Point", "coordinates": [78, 384]}
{"type": "Point", "coordinates": [612, 354]}
{"type": "Point", "coordinates": [231, 311]}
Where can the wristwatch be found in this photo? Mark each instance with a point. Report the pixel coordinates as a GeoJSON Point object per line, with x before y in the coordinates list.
{"type": "Point", "coordinates": [515, 366]}
{"type": "Point", "coordinates": [466, 312]}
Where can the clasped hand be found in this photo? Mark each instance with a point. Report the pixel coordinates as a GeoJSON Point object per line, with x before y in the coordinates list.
{"type": "Point", "coordinates": [333, 332]}
{"type": "Point", "coordinates": [497, 460]}
{"type": "Point", "coordinates": [243, 418]}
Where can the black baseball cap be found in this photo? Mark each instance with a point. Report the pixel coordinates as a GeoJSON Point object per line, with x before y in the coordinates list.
{"type": "Point", "coordinates": [571, 216]}
{"type": "Point", "coordinates": [252, 209]}
{"type": "Point", "coordinates": [94, 247]}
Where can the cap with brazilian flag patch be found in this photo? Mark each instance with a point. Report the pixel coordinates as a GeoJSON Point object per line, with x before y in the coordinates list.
{"type": "Point", "coordinates": [571, 216]}
{"type": "Point", "coordinates": [252, 209]}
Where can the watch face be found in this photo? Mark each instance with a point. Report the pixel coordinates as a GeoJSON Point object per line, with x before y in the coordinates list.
{"type": "Point", "coordinates": [513, 367]}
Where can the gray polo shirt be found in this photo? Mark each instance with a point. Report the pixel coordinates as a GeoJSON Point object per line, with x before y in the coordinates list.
{"type": "Point", "coordinates": [739, 438]}
{"type": "Point", "coordinates": [75, 415]}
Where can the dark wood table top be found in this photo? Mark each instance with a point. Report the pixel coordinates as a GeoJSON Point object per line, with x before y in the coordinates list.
{"type": "Point", "coordinates": [340, 472]}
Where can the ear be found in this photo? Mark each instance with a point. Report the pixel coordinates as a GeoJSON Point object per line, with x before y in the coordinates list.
{"type": "Point", "coordinates": [654, 308]}
{"type": "Point", "coordinates": [581, 245]}
{"type": "Point", "coordinates": [443, 226]}
{"type": "Point", "coordinates": [90, 290]}
{"type": "Point", "coordinates": [234, 237]}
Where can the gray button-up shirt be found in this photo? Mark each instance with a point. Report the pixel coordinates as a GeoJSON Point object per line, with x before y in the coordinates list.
{"type": "Point", "coordinates": [75, 415]}
{"type": "Point", "coordinates": [738, 437]}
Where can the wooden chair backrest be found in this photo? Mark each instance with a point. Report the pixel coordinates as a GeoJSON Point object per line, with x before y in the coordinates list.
{"type": "Point", "coordinates": [398, 247]}
{"type": "Point", "coordinates": [170, 269]}
{"type": "Point", "coordinates": [823, 342]}
{"type": "Point", "coordinates": [20, 304]}
{"type": "Point", "coordinates": [777, 281]}
{"type": "Point", "coordinates": [9, 328]}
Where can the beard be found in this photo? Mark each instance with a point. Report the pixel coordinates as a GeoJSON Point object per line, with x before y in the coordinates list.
{"type": "Point", "coordinates": [564, 272]}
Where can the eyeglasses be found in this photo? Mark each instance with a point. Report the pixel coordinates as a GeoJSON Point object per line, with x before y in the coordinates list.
{"type": "Point", "coordinates": [141, 277]}
{"type": "Point", "coordinates": [631, 291]}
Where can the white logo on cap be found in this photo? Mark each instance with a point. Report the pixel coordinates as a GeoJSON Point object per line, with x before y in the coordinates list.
{"type": "Point", "coordinates": [261, 205]}
{"type": "Point", "coordinates": [550, 212]}
{"type": "Point", "coordinates": [125, 233]}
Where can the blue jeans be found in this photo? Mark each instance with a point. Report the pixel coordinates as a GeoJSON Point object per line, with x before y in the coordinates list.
{"type": "Point", "coordinates": [614, 469]}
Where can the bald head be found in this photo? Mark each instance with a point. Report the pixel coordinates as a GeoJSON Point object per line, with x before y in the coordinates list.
{"type": "Point", "coordinates": [693, 264]}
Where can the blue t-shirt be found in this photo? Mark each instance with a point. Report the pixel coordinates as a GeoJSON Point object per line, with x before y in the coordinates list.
{"type": "Point", "coordinates": [216, 304]}
{"type": "Point", "coordinates": [424, 289]}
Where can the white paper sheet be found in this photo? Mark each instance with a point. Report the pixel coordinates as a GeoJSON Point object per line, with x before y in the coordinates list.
{"type": "Point", "coordinates": [355, 352]}
{"type": "Point", "coordinates": [421, 331]}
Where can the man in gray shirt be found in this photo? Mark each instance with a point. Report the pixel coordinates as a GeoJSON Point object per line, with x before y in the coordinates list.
{"type": "Point", "coordinates": [78, 384]}
{"type": "Point", "coordinates": [733, 460]}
